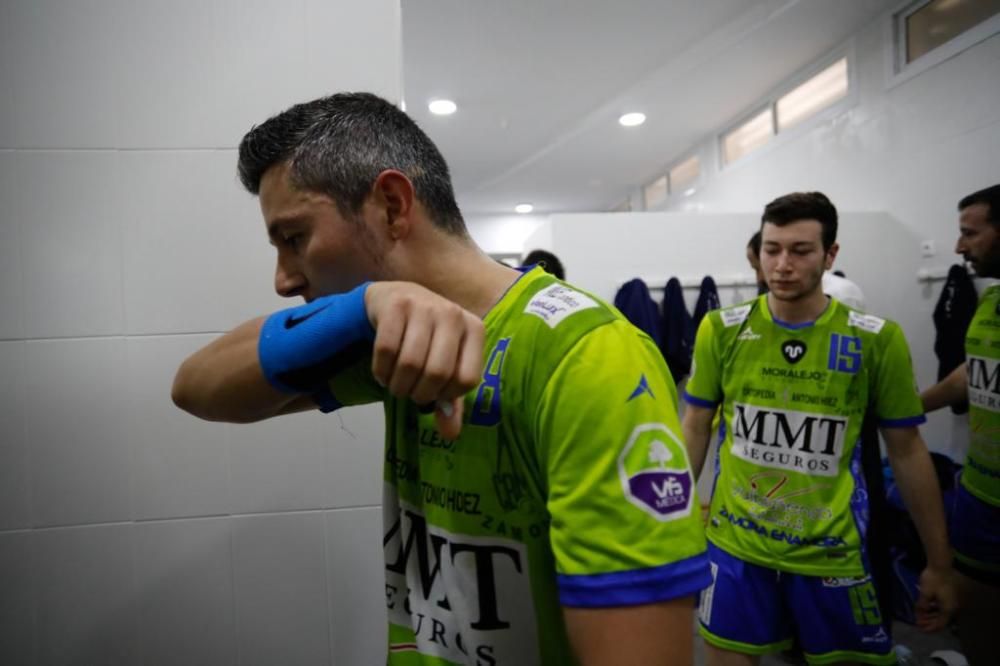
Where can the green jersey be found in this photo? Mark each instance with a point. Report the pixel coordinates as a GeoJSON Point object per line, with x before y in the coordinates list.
{"type": "Point", "coordinates": [981, 475]}
{"type": "Point", "coordinates": [789, 493]}
{"type": "Point", "coordinates": [568, 486]}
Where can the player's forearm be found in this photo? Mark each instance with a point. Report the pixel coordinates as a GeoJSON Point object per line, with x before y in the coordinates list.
{"type": "Point", "coordinates": [950, 390]}
{"type": "Point", "coordinates": [223, 381]}
{"type": "Point", "coordinates": [917, 481]}
{"type": "Point", "coordinates": [697, 427]}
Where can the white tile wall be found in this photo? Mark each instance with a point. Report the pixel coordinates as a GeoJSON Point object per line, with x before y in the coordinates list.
{"type": "Point", "coordinates": [64, 207]}
{"type": "Point", "coordinates": [11, 294]}
{"type": "Point", "coordinates": [124, 230]}
{"type": "Point", "coordinates": [355, 455]}
{"type": "Point", "coordinates": [196, 255]}
{"type": "Point", "coordinates": [158, 107]}
{"type": "Point", "coordinates": [17, 601]}
{"type": "Point", "coordinates": [65, 65]}
{"type": "Point", "coordinates": [338, 34]}
{"type": "Point", "coordinates": [86, 596]}
{"type": "Point", "coordinates": [186, 611]}
{"type": "Point", "coordinates": [280, 582]}
{"type": "Point", "coordinates": [74, 408]}
{"type": "Point", "coordinates": [279, 465]}
{"type": "Point", "coordinates": [14, 450]}
{"type": "Point", "coordinates": [179, 463]}
{"type": "Point", "coordinates": [6, 83]}
{"type": "Point", "coordinates": [263, 41]}
{"type": "Point", "coordinates": [357, 585]}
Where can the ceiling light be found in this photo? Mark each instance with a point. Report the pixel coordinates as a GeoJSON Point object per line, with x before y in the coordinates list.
{"type": "Point", "coordinates": [524, 208]}
{"type": "Point", "coordinates": [632, 119]}
{"type": "Point", "coordinates": [442, 107]}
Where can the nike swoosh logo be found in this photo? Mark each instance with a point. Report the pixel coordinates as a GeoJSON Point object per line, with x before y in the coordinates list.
{"type": "Point", "coordinates": [294, 321]}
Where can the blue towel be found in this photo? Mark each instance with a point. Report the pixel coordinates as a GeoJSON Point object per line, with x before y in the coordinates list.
{"type": "Point", "coordinates": [638, 306]}
{"type": "Point", "coordinates": [678, 330]}
{"type": "Point", "coordinates": [708, 300]}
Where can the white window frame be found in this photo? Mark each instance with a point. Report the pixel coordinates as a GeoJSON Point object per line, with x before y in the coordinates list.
{"type": "Point", "coordinates": [898, 70]}
{"type": "Point", "coordinates": [691, 154]}
{"type": "Point", "coordinates": [845, 51]}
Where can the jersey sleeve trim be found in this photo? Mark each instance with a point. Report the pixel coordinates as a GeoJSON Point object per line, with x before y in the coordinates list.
{"type": "Point", "coordinates": [699, 402]}
{"type": "Point", "coordinates": [636, 587]}
{"type": "Point", "coordinates": [903, 423]}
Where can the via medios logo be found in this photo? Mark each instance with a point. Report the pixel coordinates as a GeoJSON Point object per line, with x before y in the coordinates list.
{"type": "Point", "coordinates": [793, 350]}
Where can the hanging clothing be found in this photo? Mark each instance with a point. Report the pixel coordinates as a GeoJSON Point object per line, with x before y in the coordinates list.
{"type": "Point", "coordinates": [708, 300]}
{"type": "Point", "coordinates": [952, 315]}
{"type": "Point", "coordinates": [678, 330]}
{"type": "Point", "coordinates": [634, 301]}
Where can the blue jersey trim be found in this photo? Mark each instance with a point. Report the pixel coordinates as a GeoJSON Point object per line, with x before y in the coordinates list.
{"type": "Point", "coordinates": [699, 402]}
{"type": "Point", "coordinates": [636, 587]}
{"type": "Point", "coordinates": [902, 423]}
{"type": "Point", "coordinates": [790, 326]}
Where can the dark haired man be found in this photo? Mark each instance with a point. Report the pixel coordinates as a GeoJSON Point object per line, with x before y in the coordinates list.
{"type": "Point", "coordinates": [976, 526]}
{"type": "Point", "coordinates": [795, 373]}
{"type": "Point", "coordinates": [546, 260]}
{"type": "Point", "coordinates": [552, 517]}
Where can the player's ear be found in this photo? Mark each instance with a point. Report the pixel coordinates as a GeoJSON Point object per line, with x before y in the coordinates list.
{"type": "Point", "coordinates": [393, 194]}
{"type": "Point", "coordinates": [831, 254]}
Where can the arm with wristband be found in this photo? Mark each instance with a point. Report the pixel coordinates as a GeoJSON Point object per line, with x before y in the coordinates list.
{"type": "Point", "coordinates": [423, 347]}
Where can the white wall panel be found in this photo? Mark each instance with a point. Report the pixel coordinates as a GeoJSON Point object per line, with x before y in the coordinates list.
{"type": "Point", "coordinates": [339, 35]}
{"type": "Point", "coordinates": [280, 464]}
{"type": "Point", "coordinates": [86, 596]}
{"type": "Point", "coordinates": [65, 66]}
{"type": "Point", "coordinates": [11, 293]}
{"type": "Point", "coordinates": [18, 600]}
{"type": "Point", "coordinates": [179, 463]}
{"type": "Point", "coordinates": [196, 255]}
{"type": "Point", "coordinates": [14, 450]}
{"type": "Point", "coordinates": [186, 611]}
{"type": "Point", "coordinates": [355, 455]}
{"type": "Point", "coordinates": [281, 599]}
{"type": "Point", "coordinates": [170, 93]}
{"type": "Point", "coordinates": [70, 239]}
{"type": "Point", "coordinates": [79, 454]}
{"type": "Point", "coordinates": [7, 134]}
{"type": "Point", "coordinates": [356, 577]}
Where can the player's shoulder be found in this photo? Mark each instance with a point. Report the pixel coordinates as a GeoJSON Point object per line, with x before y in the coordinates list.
{"type": "Point", "coordinates": [563, 309]}
{"type": "Point", "coordinates": [731, 319]}
{"type": "Point", "coordinates": [862, 321]}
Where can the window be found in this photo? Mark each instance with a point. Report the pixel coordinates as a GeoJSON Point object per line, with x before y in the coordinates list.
{"type": "Point", "coordinates": [927, 25]}
{"type": "Point", "coordinates": [811, 97]}
{"type": "Point", "coordinates": [683, 175]}
{"type": "Point", "coordinates": [749, 136]}
{"type": "Point", "coordinates": [655, 193]}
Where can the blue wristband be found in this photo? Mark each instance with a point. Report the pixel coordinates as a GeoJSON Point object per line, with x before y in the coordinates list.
{"type": "Point", "coordinates": [301, 348]}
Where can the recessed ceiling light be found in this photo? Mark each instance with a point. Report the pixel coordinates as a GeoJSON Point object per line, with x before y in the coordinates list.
{"type": "Point", "coordinates": [524, 208]}
{"type": "Point", "coordinates": [442, 107]}
{"type": "Point", "coordinates": [632, 119]}
{"type": "Point", "coordinates": [689, 191]}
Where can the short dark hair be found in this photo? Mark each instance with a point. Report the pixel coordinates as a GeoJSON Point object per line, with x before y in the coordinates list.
{"type": "Point", "coordinates": [804, 206]}
{"type": "Point", "coordinates": [754, 243]}
{"type": "Point", "coordinates": [338, 145]}
{"type": "Point", "coordinates": [989, 196]}
{"type": "Point", "coordinates": [549, 262]}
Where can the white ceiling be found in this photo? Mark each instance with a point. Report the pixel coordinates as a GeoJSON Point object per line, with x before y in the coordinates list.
{"type": "Point", "coordinates": [540, 85]}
